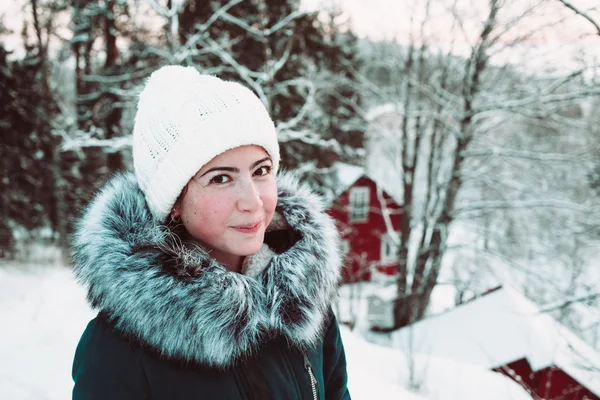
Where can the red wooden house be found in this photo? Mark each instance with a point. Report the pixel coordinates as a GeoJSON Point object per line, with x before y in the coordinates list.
{"type": "Point", "coordinates": [368, 218]}
{"type": "Point", "coordinates": [505, 332]}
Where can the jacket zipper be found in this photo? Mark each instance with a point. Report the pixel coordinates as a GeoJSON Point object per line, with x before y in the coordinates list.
{"type": "Point", "coordinates": [313, 380]}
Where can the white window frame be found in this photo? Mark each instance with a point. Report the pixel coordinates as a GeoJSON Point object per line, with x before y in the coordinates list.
{"type": "Point", "coordinates": [389, 249]}
{"type": "Point", "coordinates": [345, 247]}
{"type": "Point", "coordinates": [359, 204]}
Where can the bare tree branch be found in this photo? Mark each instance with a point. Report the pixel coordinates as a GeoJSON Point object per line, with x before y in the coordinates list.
{"type": "Point", "coordinates": [569, 301]}
{"type": "Point", "coordinates": [262, 34]}
{"type": "Point", "coordinates": [167, 12]}
{"type": "Point", "coordinates": [310, 98]}
{"type": "Point", "coordinates": [114, 79]}
{"type": "Point", "coordinates": [83, 141]}
{"type": "Point", "coordinates": [582, 14]}
{"type": "Point", "coordinates": [513, 105]}
{"type": "Point", "coordinates": [218, 14]}
{"type": "Point", "coordinates": [286, 20]}
{"type": "Point", "coordinates": [385, 213]}
{"type": "Point", "coordinates": [541, 203]}
{"type": "Point", "coordinates": [528, 155]}
{"type": "Point", "coordinates": [308, 137]}
{"type": "Point", "coordinates": [244, 72]}
{"type": "Point", "coordinates": [255, 32]}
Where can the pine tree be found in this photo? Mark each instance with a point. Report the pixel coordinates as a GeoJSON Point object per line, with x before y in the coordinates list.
{"type": "Point", "coordinates": [27, 185]}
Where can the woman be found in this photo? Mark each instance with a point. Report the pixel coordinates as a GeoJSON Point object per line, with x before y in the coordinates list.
{"type": "Point", "coordinates": [212, 277]}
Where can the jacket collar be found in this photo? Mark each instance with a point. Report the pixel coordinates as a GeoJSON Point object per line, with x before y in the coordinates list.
{"type": "Point", "coordinates": [179, 301]}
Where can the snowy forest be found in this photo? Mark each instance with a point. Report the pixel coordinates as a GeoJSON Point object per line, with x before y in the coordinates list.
{"type": "Point", "coordinates": [483, 115]}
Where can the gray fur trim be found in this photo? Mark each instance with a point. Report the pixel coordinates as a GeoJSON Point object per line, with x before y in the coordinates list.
{"type": "Point", "coordinates": [181, 302]}
{"type": "Point", "coordinates": [255, 265]}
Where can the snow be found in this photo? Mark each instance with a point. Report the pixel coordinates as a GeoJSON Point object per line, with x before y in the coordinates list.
{"type": "Point", "coordinates": [347, 174]}
{"type": "Point", "coordinates": [383, 109]}
{"type": "Point", "coordinates": [44, 312]}
{"type": "Point", "coordinates": [499, 328]}
{"type": "Point", "coordinates": [377, 372]}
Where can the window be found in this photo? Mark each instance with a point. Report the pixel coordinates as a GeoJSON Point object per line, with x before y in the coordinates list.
{"type": "Point", "coordinates": [345, 247]}
{"type": "Point", "coordinates": [389, 249]}
{"type": "Point", "coordinates": [359, 204]}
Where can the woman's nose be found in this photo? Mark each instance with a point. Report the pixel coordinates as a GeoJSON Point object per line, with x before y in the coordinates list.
{"type": "Point", "coordinates": [249, 197]}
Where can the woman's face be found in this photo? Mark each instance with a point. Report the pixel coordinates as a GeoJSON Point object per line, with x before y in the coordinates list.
{"type": "Point", "coordinates": [229, 203]}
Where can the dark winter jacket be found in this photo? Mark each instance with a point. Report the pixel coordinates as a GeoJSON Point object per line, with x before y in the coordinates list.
{"type": "Point", "coordinates": [175, 324]}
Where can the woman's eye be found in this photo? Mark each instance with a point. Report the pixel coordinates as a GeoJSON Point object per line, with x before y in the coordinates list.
{"type": "Point", "coordinates": [220, 179]}
{"type": "Point", "coordinates": [264, 170]}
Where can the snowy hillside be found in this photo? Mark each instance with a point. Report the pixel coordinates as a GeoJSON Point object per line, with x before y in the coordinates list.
{"type": "Point", "coordinates": [43, 312]}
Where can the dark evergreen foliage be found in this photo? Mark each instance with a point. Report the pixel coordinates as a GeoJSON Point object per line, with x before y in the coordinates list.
{"type": "Point", "coordinates": [48, 179]}
{"type": "Point", "coordinates": [26, 147]}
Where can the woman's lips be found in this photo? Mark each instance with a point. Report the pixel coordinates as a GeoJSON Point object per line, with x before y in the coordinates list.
{"type": "Point", "coordinates": [252, 228]}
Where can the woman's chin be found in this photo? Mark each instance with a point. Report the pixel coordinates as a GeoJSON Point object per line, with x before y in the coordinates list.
{"type": "Point", "coordinates": [249, 250]}
{"type": "Point", "coordinates": [250, 246]}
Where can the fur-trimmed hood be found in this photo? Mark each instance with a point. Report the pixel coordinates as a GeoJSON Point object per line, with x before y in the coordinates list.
{"type": "Point", "coordinates": [182, 303]}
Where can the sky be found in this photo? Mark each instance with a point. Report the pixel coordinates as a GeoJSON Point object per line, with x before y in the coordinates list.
{"type": "Point", "coordinates": [387, 19]}
{"type": "Point", "coordinates": [570, 39]}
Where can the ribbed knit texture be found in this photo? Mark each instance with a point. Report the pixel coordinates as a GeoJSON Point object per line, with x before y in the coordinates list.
{"type": "Point", "coordinates": [185, 119]}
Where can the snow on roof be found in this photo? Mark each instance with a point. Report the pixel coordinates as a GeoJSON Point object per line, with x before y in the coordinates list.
{"type": "Point", "coordinates": [394, 191]}
{"type": "Point", "coordinates": [348, 175]}
{"type": "Point", "coordinates": [377, 372]}
{"type": "Point", "coordinates": [499, 328]}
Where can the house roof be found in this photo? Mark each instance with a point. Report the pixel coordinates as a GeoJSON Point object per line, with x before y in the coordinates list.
{"type": "Point", "coordinates": [499, 328]}
{"type": "Point", "coordinates": [348, 174]}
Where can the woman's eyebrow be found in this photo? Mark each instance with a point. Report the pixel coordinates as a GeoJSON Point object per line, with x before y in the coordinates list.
{"type": "Point", "coordinates": [262, 160]}
{"type": "Point", "coordinates": [233, 169]}
{"type": "Point", "coordinates": [228, 169]}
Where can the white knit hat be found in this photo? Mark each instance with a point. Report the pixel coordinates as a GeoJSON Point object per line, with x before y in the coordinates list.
{"type": "Point", "coordinates": [185, 119]}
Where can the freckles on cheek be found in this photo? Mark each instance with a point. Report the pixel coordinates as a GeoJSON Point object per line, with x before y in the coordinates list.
{"type": "Point", "coordinates": [214, 206]}
{"type": "Point", "coordinates": [193, 203]}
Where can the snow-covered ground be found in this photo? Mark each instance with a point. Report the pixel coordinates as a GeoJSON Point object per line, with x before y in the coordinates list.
{"type": "Point", "coordinates": [377, 372]}
{"type": "Point", "coordinates": [43, 313]}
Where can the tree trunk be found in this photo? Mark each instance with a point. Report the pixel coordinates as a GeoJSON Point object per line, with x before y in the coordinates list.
{"type": "Point", "coordinates": [112, 125]}
{"type": "Point", "coordinates": [58, 214]}
{"type": "Point", "coordinates": [407, 185]}
{"type": "Point", "coordinates": [82, 44]}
